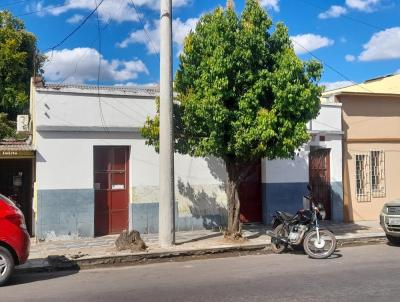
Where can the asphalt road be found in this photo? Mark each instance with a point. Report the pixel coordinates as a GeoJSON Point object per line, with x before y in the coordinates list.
{"type": "Point", "coordinates": [367, 273]}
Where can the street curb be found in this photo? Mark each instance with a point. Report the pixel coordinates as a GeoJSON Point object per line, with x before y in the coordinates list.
{"type": "Point", "coordinates": [61, 263]}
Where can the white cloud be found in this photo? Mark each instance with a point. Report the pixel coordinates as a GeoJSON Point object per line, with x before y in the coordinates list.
{"type": "Point", "coordinates": [109, 10]}
{"type": "Point", "coordinates": [334, 11]}
{"type": "Point", "coordinates": [272, 4]}
{"type": "Point", "coordinates": [150, 35]}
{"type": "Point", "coordinates": [309, 42]}
{"type": "Point", "coordinates": [119, 11]}
{"type": "Point", "coordinates": [336, 85]}
{"type": "Point", "coordinates": [383, 45]}
{"type": "Point", "coordinates": [80, 65]}
{"type": "Point", "coordinates": [363, 5]}
{"type": "Point", "coordinates": [350, 58]}
{"type": "Point", "coordinates": [75, 19]}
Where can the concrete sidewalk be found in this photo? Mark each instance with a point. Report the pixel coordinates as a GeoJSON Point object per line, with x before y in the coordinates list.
{"type": "Point", "coordinates": [89, 252]}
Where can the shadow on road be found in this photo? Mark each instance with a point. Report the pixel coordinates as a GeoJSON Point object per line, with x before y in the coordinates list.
{"type": "Point", "coordinates": [59, 266]}
{"type": "Point", "coordinates": [26, 277]}
{"type": "Point", "coordinates": [298, 250]}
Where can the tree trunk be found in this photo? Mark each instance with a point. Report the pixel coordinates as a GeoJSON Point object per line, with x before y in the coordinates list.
{"type": "Point", "coordinates": [237, 173]}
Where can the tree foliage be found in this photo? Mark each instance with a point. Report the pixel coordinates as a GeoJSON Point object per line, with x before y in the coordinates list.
{"type": "Point", "coordinates": [242, 93]}
{"type": "Point", "coordinates": [6, 128]}
{"type": "Point", "coordinates": [19, 60]}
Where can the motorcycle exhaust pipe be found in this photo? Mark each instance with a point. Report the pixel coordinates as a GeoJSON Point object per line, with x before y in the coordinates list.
{"type": "Point", "coordinates": [276, 237]}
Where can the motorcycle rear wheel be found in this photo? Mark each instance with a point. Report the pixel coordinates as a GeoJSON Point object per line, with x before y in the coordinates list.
{"type": "Point", "coordinates": [279, 247]}
{"type": "Point", "coordinates": [320, 250]}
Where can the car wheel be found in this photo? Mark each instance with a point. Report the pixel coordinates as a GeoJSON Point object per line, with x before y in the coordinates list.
{"type": "Point", "coordinates": [6, 265]}
{"type": "Point", "coordinates": [393, 240]}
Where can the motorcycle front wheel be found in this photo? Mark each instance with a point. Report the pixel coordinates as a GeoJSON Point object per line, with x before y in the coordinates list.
{"type": "Point", "coordinates": [322, 249]}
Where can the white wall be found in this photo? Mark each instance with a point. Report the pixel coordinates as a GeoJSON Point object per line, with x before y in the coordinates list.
{"type": "Point", "coordinates": [287, 170]}
{"type": "Point", "coordinates": [327, 124]}
{"type": "Point", "coordinates": [65, 146]}
{"type": "Point", "coordinates": [67, 109]}
{"type": "Point", "coordinates": [329, 118]}
{"type": "Point", "coordinates": [65, 160]}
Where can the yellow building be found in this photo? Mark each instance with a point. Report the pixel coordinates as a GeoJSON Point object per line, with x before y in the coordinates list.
{"type": "Point", "coordinates": [371, 145]}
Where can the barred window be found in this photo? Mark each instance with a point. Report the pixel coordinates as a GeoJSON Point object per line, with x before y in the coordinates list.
{"type": "Point", "coordinates": [362, 177]}
{"type": "Point", "coordinates": [378, 173]}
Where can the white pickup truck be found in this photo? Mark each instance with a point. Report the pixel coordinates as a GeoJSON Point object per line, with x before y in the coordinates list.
{"type": "Point", "coordinates": [390, 221]}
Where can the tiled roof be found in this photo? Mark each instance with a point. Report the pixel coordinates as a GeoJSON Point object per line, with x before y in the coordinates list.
{"type": "Point", "coordinates": [15, 145]}
{"type": "Point", "coordinates": [383, 85]}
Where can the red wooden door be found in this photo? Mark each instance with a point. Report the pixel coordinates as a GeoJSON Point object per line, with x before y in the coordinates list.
{"type": "Point", "coordinates": [320, 178]}
{"type": "Point", "coordinates": [250, 195]}
{"type": "Point", "coordinates": [111, 184]}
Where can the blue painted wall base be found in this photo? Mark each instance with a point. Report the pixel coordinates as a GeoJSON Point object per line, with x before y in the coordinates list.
{"type": "Point", "coordinates": [65, 213]}
{"type": "Point", "coordinates": [144, 218]}
{"type": "Point", "coordinates": [288, 197]}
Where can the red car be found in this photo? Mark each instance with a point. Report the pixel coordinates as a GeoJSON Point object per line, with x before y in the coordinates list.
{"type": "Point", "coordinates": [14, 238]}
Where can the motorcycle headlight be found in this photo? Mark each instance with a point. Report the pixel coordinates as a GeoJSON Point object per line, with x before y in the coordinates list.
{"type": "Point", "coordinates": [321, 210]}
{"type": "Point", "coordinates": [322, 214]}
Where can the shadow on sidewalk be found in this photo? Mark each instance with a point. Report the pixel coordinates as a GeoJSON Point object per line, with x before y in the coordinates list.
{"type": "Point", "coordinates": [199, 238]}
{"type": "Point", "coordinates": [351, 228]}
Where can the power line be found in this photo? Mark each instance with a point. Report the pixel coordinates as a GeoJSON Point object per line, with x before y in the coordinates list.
{"type": "Point", "coordinates": [79, 59]}
{"type": "Point", "coordinates": [144, 28]}
{"type": "Point", "coordinates": [103, 123]}
{"type": "Point", "coordinates": [13, 3]}
{"type": "Point", "coordinates": [76, 28]}
{"type": "Point", "coordinates": [330, 66]}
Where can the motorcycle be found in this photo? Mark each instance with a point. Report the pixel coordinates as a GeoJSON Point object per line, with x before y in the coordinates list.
{"type": "Point", "coordinates": [303, 228]}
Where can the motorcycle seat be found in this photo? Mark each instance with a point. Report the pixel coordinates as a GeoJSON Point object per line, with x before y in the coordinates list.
{"type": "Point", "coordinates": [285, 215]}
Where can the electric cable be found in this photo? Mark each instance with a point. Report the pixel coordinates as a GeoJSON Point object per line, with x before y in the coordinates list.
{"type": "Point", "coordinates": [144, 29]}
{"type": "Point", "coordinates": [76, 28]}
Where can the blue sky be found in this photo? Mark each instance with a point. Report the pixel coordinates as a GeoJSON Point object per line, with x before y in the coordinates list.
{"type": "Point", "coordinates": [357, 39]}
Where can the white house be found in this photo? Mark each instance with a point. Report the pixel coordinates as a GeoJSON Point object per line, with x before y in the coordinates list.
{"type": "Point", "coordinates": [318, 163]}
{"type": "Point", "coordinates": [95, 175]}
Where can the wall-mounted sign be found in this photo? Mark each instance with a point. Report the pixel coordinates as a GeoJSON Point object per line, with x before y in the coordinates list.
{"type": "Point", "coordinates": [17, 154]}
{"type": "Point", "coordinates": [118, 187]}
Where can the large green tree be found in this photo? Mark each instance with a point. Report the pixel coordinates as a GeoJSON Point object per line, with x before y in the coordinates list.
{"type": "Point", "coordinates": [19, 60]}
{"type": "Point", "coordinates": [242, 93]}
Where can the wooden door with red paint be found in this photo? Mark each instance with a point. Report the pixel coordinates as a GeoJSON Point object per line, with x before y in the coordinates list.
{"type": "Point", "coordinates": [111, 185]}
{"type": "Point", "coordinates": [320, 178]}
{"type": "Point", "coordinates": [250, 194]}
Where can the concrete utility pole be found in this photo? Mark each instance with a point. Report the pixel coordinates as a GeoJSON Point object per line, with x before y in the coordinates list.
{"type": "Point", "coordinates": [167, 183]}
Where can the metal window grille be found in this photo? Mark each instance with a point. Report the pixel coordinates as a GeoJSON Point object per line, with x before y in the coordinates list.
{"type": "Point", "coordinates": [378, 174]}
{"type": "Point", "coordinates": [362, 177]}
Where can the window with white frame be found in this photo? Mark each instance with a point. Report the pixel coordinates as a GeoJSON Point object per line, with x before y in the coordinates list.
{"type": "Point", "coordinates": [378, 173]}
{"type": "Point", "coordinates": [370, 175]}
{"type": "Point", "coordinates": [362, 177]}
